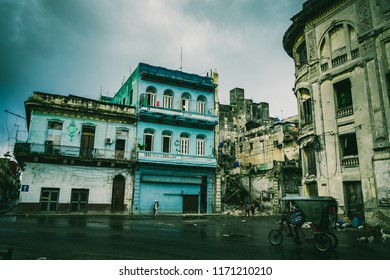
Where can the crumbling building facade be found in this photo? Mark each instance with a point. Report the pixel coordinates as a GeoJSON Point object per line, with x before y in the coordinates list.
{"type": "Point", "coordinates": [257, 153]}
{"type": "Point", "coordinates": [342, 61]}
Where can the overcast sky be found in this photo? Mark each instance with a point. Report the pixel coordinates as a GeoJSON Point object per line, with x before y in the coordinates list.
{"type": "Point", "coordinates": [88, 47]}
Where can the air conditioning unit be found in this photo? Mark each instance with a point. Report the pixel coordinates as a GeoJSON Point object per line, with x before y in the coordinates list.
{"type": "Point", "coordinates": [108, 141]}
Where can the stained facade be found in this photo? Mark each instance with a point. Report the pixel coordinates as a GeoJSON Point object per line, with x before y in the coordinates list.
{"type": "Point", "coordinates": [176, 119]}
{"type": "Point", "coordinates": [79, 155]}
{"type": "Point", "coordinates": [153, 140]}
{"type": "Point", "coordinates": [340, 50]}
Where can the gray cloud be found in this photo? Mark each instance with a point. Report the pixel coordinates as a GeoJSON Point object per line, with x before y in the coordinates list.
{"type": "Point", "coordinates": [84, 47]}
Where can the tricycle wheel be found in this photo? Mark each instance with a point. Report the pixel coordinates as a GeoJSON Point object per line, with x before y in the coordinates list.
{"type": "Point", "coordinates": [275, 237]}
{"type": "Point", "coordinates": [333, 238]}
{"type": "Point", "coordinates": [322, 241]}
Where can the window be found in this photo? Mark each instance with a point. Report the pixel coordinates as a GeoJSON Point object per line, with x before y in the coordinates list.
{"type": "Point", "coordinates": [167, 99]}
{"type": "Point", "coordinates": [53, 137]}
{"type": "Point", "coordinates": [184, 144]}
{"type": "Point", "coordinates": [250, 146]}
{"type": "Point", "coordinates": [148, 139]}
{"type": "Point", "coordinates": [200, 145]}
{"type": "Point", "coordinates": [348, 145]}
{"type": "Point", "coordinates": [150, 97]}
{"type": "Point", "coordinates": [55, 125]}
{"type": "Point", "coordinates": [301, 58]}
{"type": "Point", "coordinates": [344, 98]}
{"type": "Point", "coordinates": [185, 102]}
{"type": "Point", "coordinates": [338, 45]}
{"type": "Point", "coordinates": [130, 97]}
{"type": "Point", "coordinates": [261, 146]}
{"type": "Point", "coordinates": [307, 112]}
{"type": "Point", "coordinates": [388, 85]}
{"type": "Point", "coordinates": [201, 105]}
{"type": "Point", "coordinates": [166, 141]}
{"type": "Point", "coordinates": [310, 161]}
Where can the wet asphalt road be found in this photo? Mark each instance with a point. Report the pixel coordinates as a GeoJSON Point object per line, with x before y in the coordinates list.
{"type": "Point", "coordinates": [166, 238]}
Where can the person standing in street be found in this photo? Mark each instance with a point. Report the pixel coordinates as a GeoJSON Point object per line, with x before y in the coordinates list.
{"type": "Point", "coordinates": [247, 210]}
{"type": "Point", "coordinates": [253, 210]}
{"type": "Point", "coordinates": [155, 208]}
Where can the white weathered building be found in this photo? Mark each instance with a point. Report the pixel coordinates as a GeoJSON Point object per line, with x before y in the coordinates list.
{"type": "Point", "coordinates": [79, 155]}
{"type": "Point", "coordinates": [341, 50]}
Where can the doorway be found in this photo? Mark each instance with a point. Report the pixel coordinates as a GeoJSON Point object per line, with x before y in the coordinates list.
{"type": "Point", "coordinates": [49, 199]}
{"type": "Point", "coordinates": [79, 200]}
{"type": "Point", "coordinates": [87, 141]}
{"type": "Point", "coordinates": [354, 200]}
{"type": "Point", "coordinates": [190, 203]}
{"type": "Point", "coordinates": [118, 194]}
{"type": "Point", "coordinates": [120, 148]}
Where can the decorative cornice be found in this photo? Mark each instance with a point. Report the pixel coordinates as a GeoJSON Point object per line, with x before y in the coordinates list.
{"type": "Point", "coordinates": [327, 13]}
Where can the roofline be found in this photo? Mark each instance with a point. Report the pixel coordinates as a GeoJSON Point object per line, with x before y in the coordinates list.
{"type": "Point", "coordinates": [310, 9]}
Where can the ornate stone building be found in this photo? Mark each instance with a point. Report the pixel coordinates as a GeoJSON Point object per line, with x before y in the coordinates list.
{"type": "Point", "coordinates": [341, 50]}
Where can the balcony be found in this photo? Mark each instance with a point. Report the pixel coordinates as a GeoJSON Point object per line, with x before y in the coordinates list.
{"type": "Point", "coordinates": [339, 60]}
{"type": "Point", "coordinates": [176, 159]}
{"type": "Point", "coordinates": [350, 161]}
{"type": "Point", "coordinates": [177, 117]}
{"type": "Point", "coordinates": [344, 112]}
{"type": "Point", "coordinates": [71, 154]}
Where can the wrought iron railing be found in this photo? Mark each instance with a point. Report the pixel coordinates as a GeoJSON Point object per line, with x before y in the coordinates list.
{"type": "Point", "coordinates": [183, 159]}
{"type": "Point", "coordinates": [72, 151]}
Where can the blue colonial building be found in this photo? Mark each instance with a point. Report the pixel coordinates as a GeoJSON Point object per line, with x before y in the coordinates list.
{"type": "Point", "coordinates": [175, 139]}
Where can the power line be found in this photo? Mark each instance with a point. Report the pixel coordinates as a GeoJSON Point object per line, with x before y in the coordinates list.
{"type": "Point", "coordinates": [14, 114]}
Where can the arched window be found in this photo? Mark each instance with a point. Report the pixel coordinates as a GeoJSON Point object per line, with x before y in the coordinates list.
{"type": "Point", "coordinates": [184, 143]}
{"type": "Point", "coordinates": [167, 99]}
{"type": "Point", "coordinates": [185, 102]}
{"type": "Point", "coordinates": [301, 55]}
{"type": "Point", "coordinates": [166, 141]}
{"type": "Point", "coordinates": [201, 105]}
{"type": "Point", "coordinates": [200, 145]}
{"type": "Point", "coordinates": [338, 45]}
{"type": "Point", "coordinates": [150, 97]}
{"type": "Point", "coordinates": [148, 139]}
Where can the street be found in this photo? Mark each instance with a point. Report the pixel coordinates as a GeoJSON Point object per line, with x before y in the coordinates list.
{"type": "Point", "coordinates": [121, 237]}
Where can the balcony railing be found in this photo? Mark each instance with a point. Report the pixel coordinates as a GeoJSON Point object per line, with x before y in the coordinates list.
{"type": "Point", "coordinates": [72, 151]}
{"type": "Point", "coordinates": [339, 60]}
{"type": "Point", "coordinates": [169, 158]}
{"type": "Point", "coordinates": [350, 161]}
{"type": "Point", "coordinates": [178, 114]}
{"type": "Point", "coordinates": [343, 112]}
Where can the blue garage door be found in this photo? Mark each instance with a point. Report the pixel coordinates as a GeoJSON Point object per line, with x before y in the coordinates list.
{"type": "Point", "coordinates": [170, 197]}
